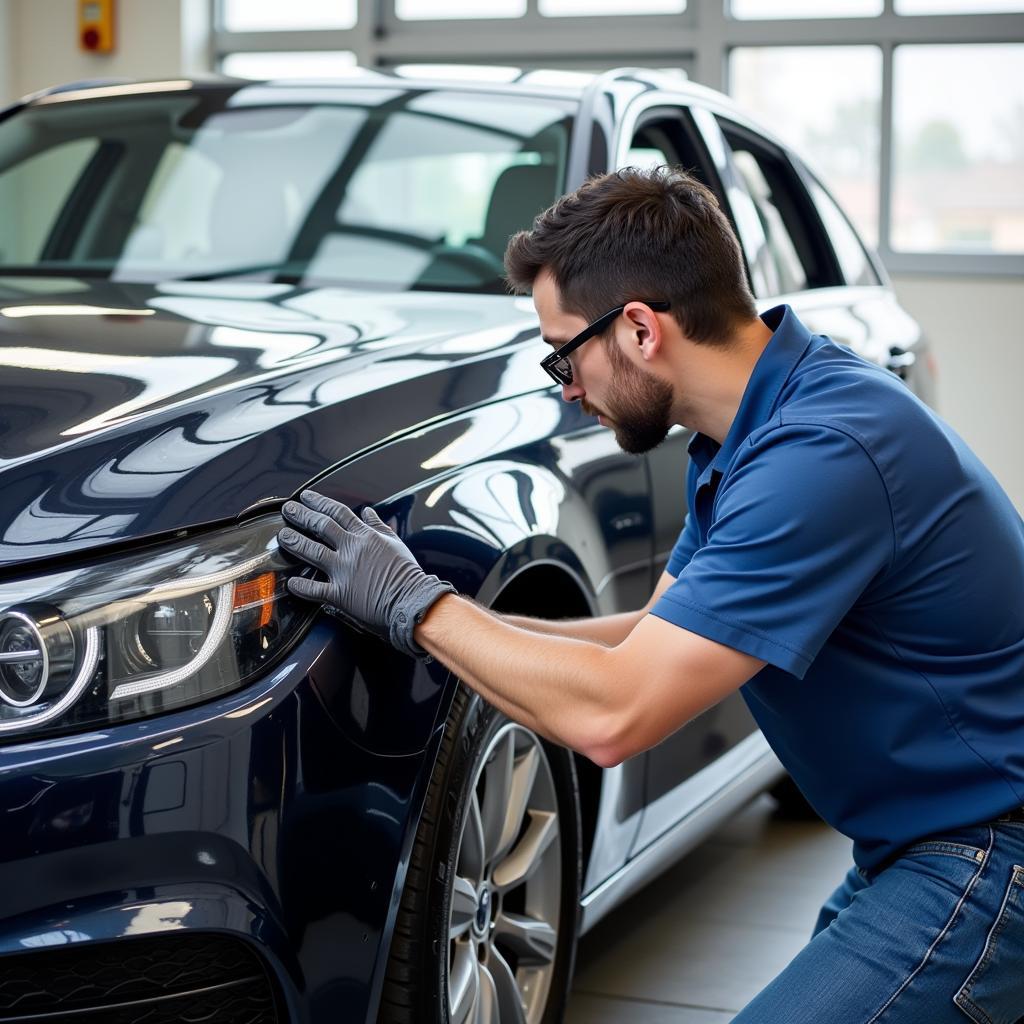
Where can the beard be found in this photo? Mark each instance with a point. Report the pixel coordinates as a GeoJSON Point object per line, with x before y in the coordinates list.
{"type": "Point", "coordinates": [639, 405]}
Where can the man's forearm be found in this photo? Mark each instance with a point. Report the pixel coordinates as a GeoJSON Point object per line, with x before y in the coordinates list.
{"type": "Point", "coordinates": [609, 630]}
{"type": "Point", "coordinates": [566, 689]}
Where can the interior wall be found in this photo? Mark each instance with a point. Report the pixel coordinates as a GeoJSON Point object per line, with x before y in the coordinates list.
{"type": "Point", "coordinates": [154, 39]}
{"type": "Point", "coordinates": [974, 328]}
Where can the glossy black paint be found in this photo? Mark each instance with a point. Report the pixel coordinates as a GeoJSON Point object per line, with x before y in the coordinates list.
{"type": "Point", "coordinates": [285, 812]}
{"type": "Point", "coordinates": [257, 814]}
{"type": "Point", "coordinates": [242, 401]}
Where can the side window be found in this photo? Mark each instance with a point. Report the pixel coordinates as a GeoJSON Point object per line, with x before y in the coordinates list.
{"type": "Point", "coordinates": [853, 260]}
{"type": "Point", "coordinates": [678, 136]}
{"type": "Point", "coordinates": [650, 147]}
{"type": "Point", "coordinates": [32, 195]}
{"type": "Point", "coordinates": [663, 137]}
{"type": "Point", "coordinates": [796, 254]}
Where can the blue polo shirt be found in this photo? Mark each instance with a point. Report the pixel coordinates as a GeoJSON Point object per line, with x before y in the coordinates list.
{"type": "Point", "coordinates": [847, 536]}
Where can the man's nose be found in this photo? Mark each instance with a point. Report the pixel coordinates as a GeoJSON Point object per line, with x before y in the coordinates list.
{"type": "Point", "coordinates": [572, 392]}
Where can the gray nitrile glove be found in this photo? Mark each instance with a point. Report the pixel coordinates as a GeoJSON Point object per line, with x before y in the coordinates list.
{"type": "Point", "coordinates": [372, 577]}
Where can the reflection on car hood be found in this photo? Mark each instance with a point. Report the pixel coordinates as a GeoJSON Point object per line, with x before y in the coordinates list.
{"type": "Point", "coordinates": [133, 410]}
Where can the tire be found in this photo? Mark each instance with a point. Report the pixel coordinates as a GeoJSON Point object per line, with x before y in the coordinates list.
{"type": "Point", "coordinates": [459, 956]}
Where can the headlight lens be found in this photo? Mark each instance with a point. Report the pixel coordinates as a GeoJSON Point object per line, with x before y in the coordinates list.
{"type": "Point", "coordinates": [144, 633]}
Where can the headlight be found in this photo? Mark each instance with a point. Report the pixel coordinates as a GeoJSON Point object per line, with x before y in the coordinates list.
{"type": "Point", "coordinates": [144, 633]}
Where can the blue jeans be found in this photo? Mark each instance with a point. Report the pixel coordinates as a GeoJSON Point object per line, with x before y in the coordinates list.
{"type": "Point", "coordinates": [934, 937]}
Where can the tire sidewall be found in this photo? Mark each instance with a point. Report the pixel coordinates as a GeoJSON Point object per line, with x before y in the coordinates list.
{"type": "Point", "coordinates": [474, 730]}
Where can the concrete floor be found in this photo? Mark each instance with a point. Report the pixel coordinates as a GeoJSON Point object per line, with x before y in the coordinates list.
{"type": "Point", "coordinates": [705, 937]}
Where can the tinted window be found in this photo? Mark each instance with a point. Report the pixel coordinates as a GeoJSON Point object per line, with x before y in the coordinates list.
{"type": "Point", "coordinates": [32, 194]}
{"type": "Point", "coordinates": [796, 255]}
{"type": "Point", "coordinates": [664, 137]}
{"type": "Point", "coordinates": [670, 136]}
{"type": "Point", "coordinates": [853, 261]}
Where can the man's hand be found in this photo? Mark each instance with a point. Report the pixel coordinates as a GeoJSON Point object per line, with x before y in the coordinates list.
{"type": "Point", "coordinates": [372, 577]}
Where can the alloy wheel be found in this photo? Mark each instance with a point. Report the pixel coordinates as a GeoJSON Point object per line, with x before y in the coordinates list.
{"type": "Point", "coordinates": [506, 895]}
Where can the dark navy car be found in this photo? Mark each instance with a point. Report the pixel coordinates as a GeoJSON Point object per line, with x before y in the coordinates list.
{"type": "Point", "coordinates": [218, 804]}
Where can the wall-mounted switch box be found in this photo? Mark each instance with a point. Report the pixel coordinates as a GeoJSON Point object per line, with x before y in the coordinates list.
{"type": "Point", "coordinates": [96, 26]}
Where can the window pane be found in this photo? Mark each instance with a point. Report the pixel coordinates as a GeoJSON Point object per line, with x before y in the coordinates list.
{"type": "Point", "coordinates": [177, 206]}
{"type": "Point", "coordinates": [434, 169]}
{"type": "Point", "coordinates": [805, 8]}
{"type": "Point", "coordinates": [776, 268]}
{"type": "Point", "coordinates": [33, 194]}
{"type": "Point", "coordinates": [563, 8]}
{"type": "Point", "coordinates": [958, 6]}
{"type": "Point", "coordinates": [958, 147]}
{"type": "Point", "coordinates": [314, 64]}
{"type": "Point", "coordinates": [368, 187]}
{"type": "Point", "coordinates": [664, 140]}
{"type": "Point", "coordinates": [825, 102]}
{"type": "Point", "coordinates": [200, 204]}
{"type": "Point", "coordinates": [846, 245]}
{"type": "Point", "coordinates": [790, 274]}
{"type": "Point", "coordinates": [423, 10]}
{"type": "Point", "coordinates": [272, 15]}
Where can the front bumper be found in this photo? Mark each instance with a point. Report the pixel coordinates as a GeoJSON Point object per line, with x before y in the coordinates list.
{"type": "Point", "coordinates": [273, 824]}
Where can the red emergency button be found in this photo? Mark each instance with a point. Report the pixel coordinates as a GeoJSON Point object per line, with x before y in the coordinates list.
{"type": "Point", "coordinates": [91, 39]}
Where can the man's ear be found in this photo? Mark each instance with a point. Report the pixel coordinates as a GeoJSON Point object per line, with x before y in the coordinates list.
{"type": "Point", "coordinates": [645, 328]}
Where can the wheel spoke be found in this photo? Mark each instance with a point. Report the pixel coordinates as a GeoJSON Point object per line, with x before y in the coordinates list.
{"type": "Point", "coordinates": [463, 983]}
{"type": "Point", "coordinates": [523, 860]}
{"type": "Point", "coordinates": [463, 906]}
{"type": "Point", "coordinates": [532, 941]}
{"type": "Point", "coordinates": [523, 776]}
{"type": "Point", "coordinates": [471, 855]}
{"type": "Point", "coordinates": [510, 1000]}
{"type": "Point", "coordinates": [496, 794]}
{"type": "Point", "coordinates": [487, 1009]}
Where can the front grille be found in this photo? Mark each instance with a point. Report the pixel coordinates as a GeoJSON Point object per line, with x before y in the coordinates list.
{"type": "Point", "coordinates": [168, 978]}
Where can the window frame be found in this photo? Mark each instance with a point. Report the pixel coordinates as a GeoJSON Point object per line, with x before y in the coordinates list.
{"type": "Point", "coordinates": [700, 39]}
{"type": "Point", "coordinates": [796, 209]}
{"type": "Point", "coordinates": [811, 180]}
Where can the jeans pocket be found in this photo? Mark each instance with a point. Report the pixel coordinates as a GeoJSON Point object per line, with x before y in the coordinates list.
{"type": "Point", "coordinates": [944, 848]}
{"type": "Point", "coordinates": [994, 990]}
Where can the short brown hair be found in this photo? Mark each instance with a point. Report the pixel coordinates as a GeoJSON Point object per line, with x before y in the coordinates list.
{"type": "Point", "coordinates": [639, 234]}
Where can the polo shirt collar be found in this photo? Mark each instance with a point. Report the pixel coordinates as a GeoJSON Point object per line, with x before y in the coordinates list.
{"type": "Point", "coordinates": [787, 345]}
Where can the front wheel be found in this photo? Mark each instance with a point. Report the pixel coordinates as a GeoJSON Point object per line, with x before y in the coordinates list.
{"type": "Point", "coordinates": [487, 926]}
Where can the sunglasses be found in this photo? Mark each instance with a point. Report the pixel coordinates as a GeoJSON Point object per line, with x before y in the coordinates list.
{"type": "Point", "coordinates": [557, 364]}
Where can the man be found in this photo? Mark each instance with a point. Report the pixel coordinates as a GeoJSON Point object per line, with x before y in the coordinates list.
{"type": "Point", "coordinates": [846, 560]}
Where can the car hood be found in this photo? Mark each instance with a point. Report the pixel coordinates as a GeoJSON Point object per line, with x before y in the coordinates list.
{"type": "Point", "coordinates": [129, 411]}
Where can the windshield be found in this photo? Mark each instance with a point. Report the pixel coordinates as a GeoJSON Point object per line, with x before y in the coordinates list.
{"type": "Point", "coordinates": [389, 188]}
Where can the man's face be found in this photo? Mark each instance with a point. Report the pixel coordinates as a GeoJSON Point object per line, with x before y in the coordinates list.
{"type": "Point", "coordinates": [633, 401]}
{"type": "Point", "coordinates": [639, 404]}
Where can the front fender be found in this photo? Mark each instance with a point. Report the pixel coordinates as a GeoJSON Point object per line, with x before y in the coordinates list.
{"type": "Point", "coordinates": [477, 496]}
{"type": "Point", "coordinates": [479, 499]}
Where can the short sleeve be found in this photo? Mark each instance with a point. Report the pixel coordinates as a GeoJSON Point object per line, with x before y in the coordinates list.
{"type": "Point", "coordinates": [801, 527]}
{"type": "Point", "coordinates": [685, 547]}
{"type": "Point", "coordinates": [689, 537]}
